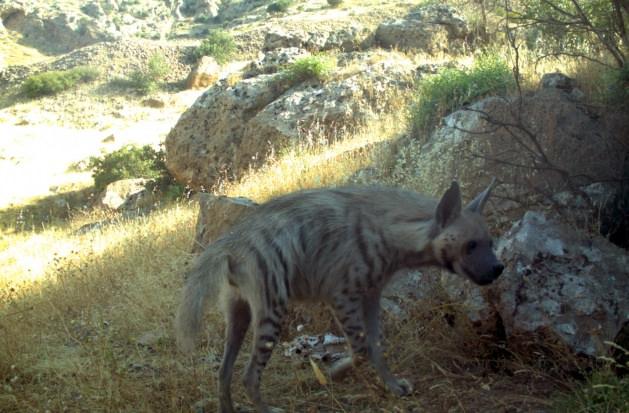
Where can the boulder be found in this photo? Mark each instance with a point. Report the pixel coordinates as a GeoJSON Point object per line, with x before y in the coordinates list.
{"type": "Point", "coordinates": [216, 215]}
{"type": "Point", "coordinates": [273, 61]}
{"type": "Point", "coordinates": [560, 81]}
{"type": "Point", "coordinates": [125, 194]}
{"type": "Point", "coordinates": [200, 7]}
{"type": "Point", "coordinates": [432, 29]}
{"type": "Point", "coordinates": [345, 39]}
{"type": "Point", "coordinates": [533, 144]}
{"type": "Point", "coordinates": [232, 128]}
{"type": "Point", "coordinates": [204, 73]}
{"type": "Point", "coordinates": [558, 286]}
{"type": "Point", "coordinates": [204, 142]}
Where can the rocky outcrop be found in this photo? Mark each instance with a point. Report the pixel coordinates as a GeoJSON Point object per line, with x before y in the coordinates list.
{"type": "Point", "coordinates": [431, 29]}
{"type": "Point", "coordinates": [231, 128]}
{"type": "Point", "coordinates": [112, 59]}
{"type": "Point", "coordinates": [56, 29]}
{"type": "Point", "coordinates": [558, 286]}
{"type": "Point", "coordinates": [199, 7]}
{"type": "Point", "coordinates": [345, 39]}
{"type": "Point", "coordinates": [216, 215]}
{"type": "Point", "coordinates": [538, 144]}
{"type": "Point", "coordinates": [273, 61]}
{"type": "Point", "coordinates": [126, 194]}
{"type": "Point", "coordinates": [58, 32]}
{"type": "Point", "coordinates": [204, 73]}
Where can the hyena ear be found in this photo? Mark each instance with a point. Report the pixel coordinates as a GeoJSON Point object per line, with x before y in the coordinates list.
{"type": "Point", "coordinates": [449, 207]}
{"type": "Point", "coordinates": [478, 203]}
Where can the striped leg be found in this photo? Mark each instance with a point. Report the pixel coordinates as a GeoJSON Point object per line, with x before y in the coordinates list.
{"type": "Point", "coordinates": [238, 317]}
{"type": "Point", "coordinates": [265, 337]}
{"type": "Point", "coordinates": [349, 314]}
{"type": "Point", "coordinates": [371, 307]}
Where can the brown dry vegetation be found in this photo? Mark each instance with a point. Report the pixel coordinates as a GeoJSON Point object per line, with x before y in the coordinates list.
{"type": "Point", "coordinates": [86, 320]}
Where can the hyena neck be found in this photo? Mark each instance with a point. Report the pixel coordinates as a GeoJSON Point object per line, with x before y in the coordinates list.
{"type": "Point", "coordinates": [415, 259]}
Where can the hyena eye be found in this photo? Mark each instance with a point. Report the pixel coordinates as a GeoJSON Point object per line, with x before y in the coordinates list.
{"type": "Point", "coordinates": [470, 246]}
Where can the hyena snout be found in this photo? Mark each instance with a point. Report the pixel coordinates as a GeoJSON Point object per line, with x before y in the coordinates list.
{"type": "Point", "coordinates": [494, 270]}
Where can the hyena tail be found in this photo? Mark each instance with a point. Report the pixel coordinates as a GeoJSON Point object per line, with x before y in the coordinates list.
{"type": "Point", "coordinates": [202, 286]}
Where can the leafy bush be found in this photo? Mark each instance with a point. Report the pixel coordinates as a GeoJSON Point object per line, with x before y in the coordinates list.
{"type": "Point", "coordinates": [147, 81]}
{"type": "Point", "coordinates": [219, 44]}
{"type": "Point", "coordinates": [279, 6]}
{"type": "Point", "coordinates": [447, 91]}
{"type": "Point", "coordinates": [616, 83]}
{"type": "Point", "coordinates": [318, 67]}
{"type": "Point", "coordinates": [128, 162]}
{"type": "Point", "coordinates": [334, 3]}
{"type": "Point", "coordinates": [50, 83]}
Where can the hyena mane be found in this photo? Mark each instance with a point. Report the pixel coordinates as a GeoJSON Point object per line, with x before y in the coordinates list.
{"type": "Point", "coordinates": [340, 246]}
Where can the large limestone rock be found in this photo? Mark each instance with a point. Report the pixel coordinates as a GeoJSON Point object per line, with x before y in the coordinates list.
{"type": "Point", "coordinates": [432, 29]}
{"type": "Point", "coordinates": [535, 145]}
{"type": "Point", "coordinates": [273, 61]}
{"type": "Point", "coordinates": [232, 128]}
{"type": "Point", "coordinates": [207, 138]}
{"type": "Point", "coordinates": [558, 286]}
{"type": "Point", "coordinates": [345, 39]}
{"type": "Point", "coordinates": [204, 73]}
{"type": "Point", "coordinates": [126, 194]}
{"type": "Point", "coordinates": [217, 214]}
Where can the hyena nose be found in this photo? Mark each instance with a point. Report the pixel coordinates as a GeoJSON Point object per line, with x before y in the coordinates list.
{"type": "Point", "coordinates": [498, 268]}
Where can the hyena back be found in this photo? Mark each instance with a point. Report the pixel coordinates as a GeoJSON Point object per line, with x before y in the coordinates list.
{"type": "Point", "coordinates": [339, 246]}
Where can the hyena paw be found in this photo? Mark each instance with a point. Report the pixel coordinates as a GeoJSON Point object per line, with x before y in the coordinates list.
{"type": "Point", "coordinates": [400, 387]}
{"type": "Point", "coordinates": [340, 369]}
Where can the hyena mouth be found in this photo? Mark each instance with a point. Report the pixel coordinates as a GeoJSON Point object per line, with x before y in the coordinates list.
{"type": "Point", "coordinates": [484, 279]}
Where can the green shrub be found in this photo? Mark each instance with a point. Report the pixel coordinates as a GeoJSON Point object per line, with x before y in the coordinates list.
{"type": "Point", "coordinates": [219, 44]}
{"type": "Point", "coordinates": [50, 83]}
{"type": "Point", "coordinates": [127, 162]}
{"type": "Point", "coordinates": [603, 392]}
{"type": "Point", "coordinates": [279, 6]}
{"type": "Point", "coordinates": [147, 81]}
{"type": "Point", "coordinates": [334, 3]}
{"type": "Point", "coordinates": [616, 83]}
{"type": "Point", "coordinates": [318, 67]}
{"type": "Point", "coordinates": [449, 90]}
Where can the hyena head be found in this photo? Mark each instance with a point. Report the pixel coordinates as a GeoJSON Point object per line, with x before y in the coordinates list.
{"type": "Point", "coordinates": [464, 245]}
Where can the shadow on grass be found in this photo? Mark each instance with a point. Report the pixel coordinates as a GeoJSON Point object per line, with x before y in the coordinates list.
{"type": "Point", "coordinates": [50, 211]}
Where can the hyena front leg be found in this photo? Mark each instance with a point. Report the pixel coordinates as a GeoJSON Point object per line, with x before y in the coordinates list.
{"type": "Point", "coordinates": [238, 317]}
{"type": "Point", "coordinates": [265, 337]}
{"type": "Point", "coordinates": [349, 315]}
{"type": "Point", "coordinates": [371, 308]}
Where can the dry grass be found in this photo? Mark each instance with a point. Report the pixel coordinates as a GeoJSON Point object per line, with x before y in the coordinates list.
{"type": "Point", "coordinates": [86, 320]}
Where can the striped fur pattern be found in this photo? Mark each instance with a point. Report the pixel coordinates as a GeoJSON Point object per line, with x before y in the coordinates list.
{"type": "Point", "coordinates": [340, 246]}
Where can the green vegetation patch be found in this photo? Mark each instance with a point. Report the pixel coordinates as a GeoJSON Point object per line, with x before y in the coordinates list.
{"type": "Point", "coordinates": [128, 162]}
{"type": "Point", "coordinates": [218, 44]}
{"type": "Point", "coordinates": [449, 90]}
{"type": "Point", "coordinates": [603, 392]}
{"type": "Point", "coordinates": [318, 67]}
{"type": "Point", "coordinates": [147, 80]}
{"type": "Point", "coordinates": [53, 82]}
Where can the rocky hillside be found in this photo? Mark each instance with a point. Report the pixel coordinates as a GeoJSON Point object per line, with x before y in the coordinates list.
{"type": "Point", "coordinates": [133, 133]}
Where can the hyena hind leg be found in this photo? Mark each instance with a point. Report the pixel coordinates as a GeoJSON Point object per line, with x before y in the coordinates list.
{"type": "Point", "coordinates": [371, 307]}
{"type": "Point", "coordinates": [265, 337]}
{"type": "Point", "coordinates": [238, 318]}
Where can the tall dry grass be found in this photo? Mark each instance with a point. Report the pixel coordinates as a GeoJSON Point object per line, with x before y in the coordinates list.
{"type": "Point", "coordinates": [86, 320]}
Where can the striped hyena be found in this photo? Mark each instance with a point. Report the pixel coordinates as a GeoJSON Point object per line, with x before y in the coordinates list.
{"type": "Point", "coordinates": [339, 246]}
